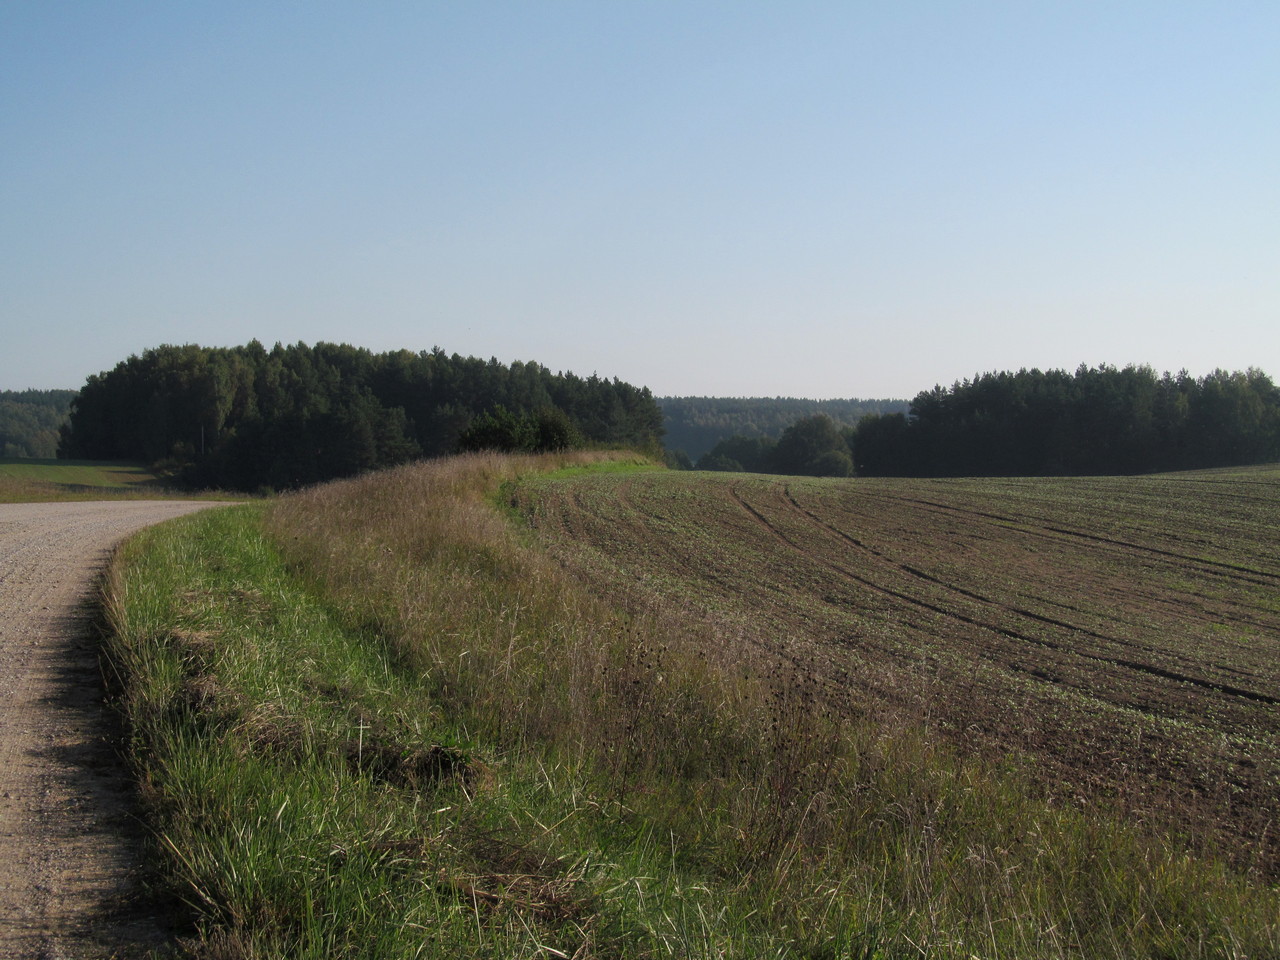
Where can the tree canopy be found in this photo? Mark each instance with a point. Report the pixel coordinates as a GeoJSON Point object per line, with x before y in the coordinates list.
{"type": "Point", "coordinates": [247, 417]}
{"type": "Point", "coordinates": [1099, 420]}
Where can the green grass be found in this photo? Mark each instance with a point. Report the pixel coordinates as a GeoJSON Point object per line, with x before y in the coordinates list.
{"type": "Point", "coordinates": [80, 473]}
{"type": "Point", "coordinates": [372, 721]}
{"type": "Point", "coordinates": [623, 464]}
{"type": "Point", "coordinates": [39, 481]}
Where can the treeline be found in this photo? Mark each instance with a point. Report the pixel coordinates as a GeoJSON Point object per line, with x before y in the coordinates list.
{"type": "Point", "coordinates": [247, 417]}
{"type": "Point", "coordinates": [1099, 420]}
{"type": "Point", "coordinates": [29, 422]}
{"type": "Point", "coordinates": [696, 424]}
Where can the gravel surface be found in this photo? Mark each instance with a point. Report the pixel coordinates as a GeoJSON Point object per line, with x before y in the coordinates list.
{"type": "Point", "coordinates": [68, 851]}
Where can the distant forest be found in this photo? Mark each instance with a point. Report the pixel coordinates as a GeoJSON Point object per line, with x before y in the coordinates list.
{"type": "Point", "coordinates": [696, 424]}
{"type": "Point", "coordinates": [1099, 420]}
{"type": "Point", "coordinates": [247, 418]}
{"type": "Point", "coordinates": [29, 421]}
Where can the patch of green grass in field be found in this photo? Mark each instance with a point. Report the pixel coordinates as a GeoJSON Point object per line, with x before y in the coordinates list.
{"type": "Point", "coordinates": [622, 464]}
{"type": "Point", "coordinates": [389, 729]}
{"type": "Point", "coordinates": [41, 481]}
{"type": "Point", "coordinates": [29, 481]}
{"type": "Point", "coordinates": [80, 473]}
{"type": "Point", "coordinates": [502, 496]}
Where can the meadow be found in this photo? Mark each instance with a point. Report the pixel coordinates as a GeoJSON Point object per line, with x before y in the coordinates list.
{"type": "Point", "coordinates": [25, 480]}
{"type": "Point", "coordinates": [575, 706]}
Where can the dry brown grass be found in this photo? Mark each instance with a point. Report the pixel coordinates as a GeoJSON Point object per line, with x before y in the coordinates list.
{"type": "Point", "coordinates": [500, 631]}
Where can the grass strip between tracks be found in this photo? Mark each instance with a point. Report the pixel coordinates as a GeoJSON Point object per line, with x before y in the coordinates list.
{"type": "Point", "coordinates": [373, 721]}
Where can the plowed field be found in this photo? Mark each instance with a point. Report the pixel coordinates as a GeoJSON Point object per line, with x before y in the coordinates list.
{"type": "Point", "coordinates": [1116, 638]}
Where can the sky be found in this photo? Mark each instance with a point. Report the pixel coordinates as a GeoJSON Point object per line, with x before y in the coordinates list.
{"type": "Point", "coordinates": [844, 199]}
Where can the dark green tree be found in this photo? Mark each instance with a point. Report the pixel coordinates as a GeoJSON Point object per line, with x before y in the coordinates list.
{"type": "Point", "coordinates": [499, 429]}
{"type": "Point", "coordinates": [1099, 420]}
{"type": "Point", "coordinates": [740, 453]}
{"type": "Point", "coordinates": [813, 446]}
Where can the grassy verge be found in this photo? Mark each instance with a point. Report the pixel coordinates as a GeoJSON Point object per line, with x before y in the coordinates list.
{"type": "Point", "coordinates": [371, 721]}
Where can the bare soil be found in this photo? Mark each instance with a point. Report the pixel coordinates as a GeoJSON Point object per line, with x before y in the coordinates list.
{"type": "Point", "coordinates": [1119, 639]}
{"type": "Point", "coordinates": [69, 860]}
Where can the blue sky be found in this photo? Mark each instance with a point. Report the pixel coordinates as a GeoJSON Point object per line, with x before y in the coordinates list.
{"type": "Point", "coordinates": [804, 199]}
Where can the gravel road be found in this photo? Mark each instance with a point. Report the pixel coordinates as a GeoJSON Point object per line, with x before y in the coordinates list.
{"type": "Point", "coordinates": [68, 856]}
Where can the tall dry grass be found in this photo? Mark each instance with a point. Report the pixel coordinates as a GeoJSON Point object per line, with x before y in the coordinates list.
{"type": "Point", "coordinates": [502, 636]}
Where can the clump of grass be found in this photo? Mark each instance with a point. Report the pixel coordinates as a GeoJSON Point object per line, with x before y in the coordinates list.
{"type": "Point", "coordinates": [393, 727]}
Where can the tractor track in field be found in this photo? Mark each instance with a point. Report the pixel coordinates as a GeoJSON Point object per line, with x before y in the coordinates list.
{"type": "Point", "coordinates": [1009, 633]}
{"type": "Point", "coordinates": [69, 860]}
{"type": "Point", "coordinates": [1176, 676]}
{"type": "Point", "coordinates": [1035, 528]}
{"type": "Point", "coordinates": [1227, 576]}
